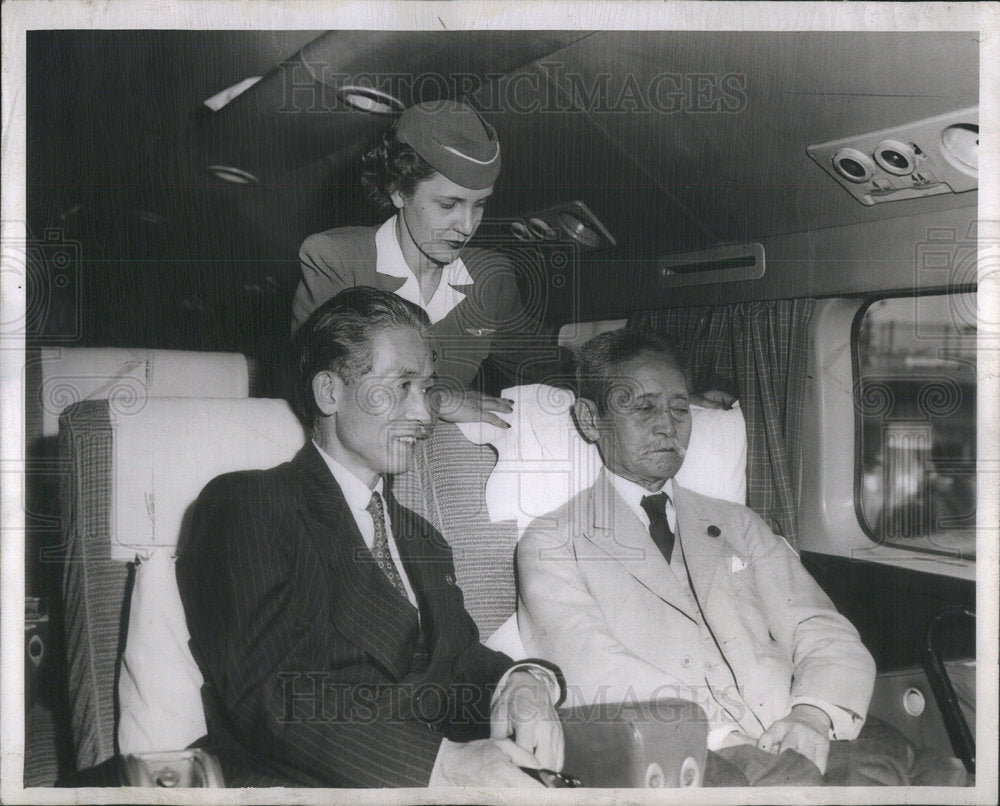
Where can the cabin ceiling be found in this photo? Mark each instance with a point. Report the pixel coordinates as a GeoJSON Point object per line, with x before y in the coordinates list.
{"type": "Point", "coordinates": [119, 138]}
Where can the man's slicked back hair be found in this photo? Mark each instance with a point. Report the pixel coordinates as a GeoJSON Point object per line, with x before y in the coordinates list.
{"type": "Point", "coordinates": [602, 358]}
{"type": "Point", "coordinates": [339, 336]}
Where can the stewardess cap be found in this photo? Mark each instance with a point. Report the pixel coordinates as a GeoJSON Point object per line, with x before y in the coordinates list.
{"type": "Point", "coordinates": [454, 139]}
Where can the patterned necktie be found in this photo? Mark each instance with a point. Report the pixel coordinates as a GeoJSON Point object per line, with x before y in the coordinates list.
{"type": "Point", "coordinates": [659, 529]}
{"type": "Point", "coordinates": [380, 545]}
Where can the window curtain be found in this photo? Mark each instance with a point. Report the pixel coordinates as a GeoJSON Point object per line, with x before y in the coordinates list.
{"type": "Point", "coordinates": [758, 351]}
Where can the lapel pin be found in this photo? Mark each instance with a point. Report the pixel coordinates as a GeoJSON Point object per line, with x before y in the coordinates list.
{"type": "Point", "coordinates": [714, 531]}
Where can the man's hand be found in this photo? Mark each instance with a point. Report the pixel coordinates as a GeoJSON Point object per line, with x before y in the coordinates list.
{"type": "Point", "coordinates": [524, 710]}
{"type": "Point", "coordinates": [468, 406]}
{"type": "Point", "coordinates": [806, 730]}
{"type": "Point", "coordinates": [485, 762]}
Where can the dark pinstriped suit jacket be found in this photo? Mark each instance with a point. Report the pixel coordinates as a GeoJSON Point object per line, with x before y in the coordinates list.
{"type": "Point", "coordinates": [308, 652]}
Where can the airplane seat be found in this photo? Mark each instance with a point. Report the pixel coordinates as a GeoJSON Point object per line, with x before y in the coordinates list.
{"type": "Point", "coordinates": [56, 377]}
{"type": "Point", "coordinates": [133, 685]}
{"type": "Point", "coordinates": [66, 375]}
{"type": "Point", "coordinates": [447, 486]}
{"type": "Point", "coordinates": [130, 480]}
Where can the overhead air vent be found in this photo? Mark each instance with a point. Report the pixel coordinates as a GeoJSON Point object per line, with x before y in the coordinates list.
{"type": "Point", "coordinates": [572, 221]}
{"type": "Point", "coordinates": [723, 264]}
{"type": "Point", "coordinates": [925, 158]}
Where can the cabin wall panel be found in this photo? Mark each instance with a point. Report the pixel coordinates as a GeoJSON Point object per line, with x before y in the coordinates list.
{"type": "Point", "coordinates": [873, 257]}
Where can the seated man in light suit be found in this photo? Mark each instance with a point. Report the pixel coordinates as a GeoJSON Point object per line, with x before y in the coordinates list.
{"type": "Point", "coordinates": [641, 589]}
{"type": "Point", "coordinates": [325, 617]}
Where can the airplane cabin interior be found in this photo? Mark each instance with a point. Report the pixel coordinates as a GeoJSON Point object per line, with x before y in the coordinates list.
{"type": "Point", "coordinates": [796, 211]}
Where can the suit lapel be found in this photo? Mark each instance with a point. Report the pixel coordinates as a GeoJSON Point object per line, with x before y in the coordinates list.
{"type": "Point", "coordinates": [703, 553]}
{"type": "Point", "coordinates": [425, 558]}
{"type": "Point", "coordinates": [365, 606]}
{"type": "Point", "coordinates": [617, 532]}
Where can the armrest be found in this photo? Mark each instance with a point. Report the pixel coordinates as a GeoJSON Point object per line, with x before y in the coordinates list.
{"type": "Point", "coordinates": [962, 739]}
{"type": "Point", "coordinates": [194, 768]}
{"type": "Point", "coordinates": [636, 745]}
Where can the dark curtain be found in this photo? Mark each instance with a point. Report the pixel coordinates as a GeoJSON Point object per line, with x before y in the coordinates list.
{"type": "Point", "coordinates": [758, 351]}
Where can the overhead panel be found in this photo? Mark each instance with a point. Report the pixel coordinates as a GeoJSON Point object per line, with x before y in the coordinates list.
{"type": "Point", "coordinates": [925, 158]}
{"type": "Point", "coordinates": [313, 103]}
{"type": "Point", "coordinates": [724, 138]}
{"type": "Point", "coordinates": [805, 88]}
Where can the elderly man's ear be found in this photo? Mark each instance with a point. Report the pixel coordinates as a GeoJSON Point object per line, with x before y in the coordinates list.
{"type": "Point", "coordinates": [327, 388]}
{"type": "Point", "coordinates": [587, 418]}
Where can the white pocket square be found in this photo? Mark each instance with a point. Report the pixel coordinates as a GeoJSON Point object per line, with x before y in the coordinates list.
{"type": "Point", "coordinates": [736, 564]}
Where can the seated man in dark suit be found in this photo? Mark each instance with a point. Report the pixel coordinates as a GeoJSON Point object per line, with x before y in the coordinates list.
{"type": "Point", "coordinates": [325, 617]}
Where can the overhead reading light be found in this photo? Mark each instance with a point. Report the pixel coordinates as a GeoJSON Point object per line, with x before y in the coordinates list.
{"type": "Point", "coordinates": [220, 99]}
{"type": "Point", "coordinates": [924, 158]}
{"type": "Point", "coordinates": [579, 230]}
{"type": "Point", "coordinates": [366, 99]}
{"type": "Point", "coordinates": [960, 146]}
{"type": "Point", "coordinates": [235, 175]}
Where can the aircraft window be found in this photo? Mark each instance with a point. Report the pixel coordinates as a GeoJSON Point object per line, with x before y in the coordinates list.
{"type": "Point", "coordinates": [915, 410]}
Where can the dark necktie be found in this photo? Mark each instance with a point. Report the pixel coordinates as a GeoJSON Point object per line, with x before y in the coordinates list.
{"type": "Point", "coordinates": [656, 507]}
{"type": "Point", "coordinates": [380, 546]}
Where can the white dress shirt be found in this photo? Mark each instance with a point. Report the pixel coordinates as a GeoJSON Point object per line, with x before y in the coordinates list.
{"type": "Point", "coordinates": [389, 260]}
{"type": "Point", "coordinates": [633, 494]}
{"type": "Point", "coordinates": [358, 495]}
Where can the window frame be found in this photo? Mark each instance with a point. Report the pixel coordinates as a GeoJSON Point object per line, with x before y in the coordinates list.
{"type": "Point", "coordinates": [918, 544]}
{"type": "Point", "coordinates": [828, 520]}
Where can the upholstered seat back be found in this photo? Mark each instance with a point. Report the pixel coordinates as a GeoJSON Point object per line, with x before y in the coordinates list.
{"type": "Point", "coordinates": [132, 480]}
{"type": "Point", "coordinates": [61, 376]}
{"type": "Point", "coordinates": [448, 487]}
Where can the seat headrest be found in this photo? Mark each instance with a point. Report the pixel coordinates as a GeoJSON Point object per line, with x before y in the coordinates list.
{"type": "Point", "coordinates": [130, 377]}
{"type": "Point", "coordinates": [165, 453]}
{"type": "Point", "coordinates": [543, 461]}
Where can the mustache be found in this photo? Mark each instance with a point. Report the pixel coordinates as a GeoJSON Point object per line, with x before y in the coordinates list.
{"type": "Point", "coordinates": [668, 444]}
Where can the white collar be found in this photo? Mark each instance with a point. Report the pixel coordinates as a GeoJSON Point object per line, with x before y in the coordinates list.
{"type": "Point", "coordinates": [389, 260]}
{"type": "Point", "coordinates": [634, 493]}
{"type": "Point", "coordinates": [357, 494]}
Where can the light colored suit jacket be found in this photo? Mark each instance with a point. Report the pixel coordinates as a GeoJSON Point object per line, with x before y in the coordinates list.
{"type": "Point", "coordinates": [597, 597]}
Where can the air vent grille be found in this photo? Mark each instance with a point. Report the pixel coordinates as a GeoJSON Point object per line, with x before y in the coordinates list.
{"type": "Point", "coordinates": [573, 222]}
{"type": "Point", "coordinates": [924, 158]}
{"type": "Point", "coordinates": [723, 264]}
